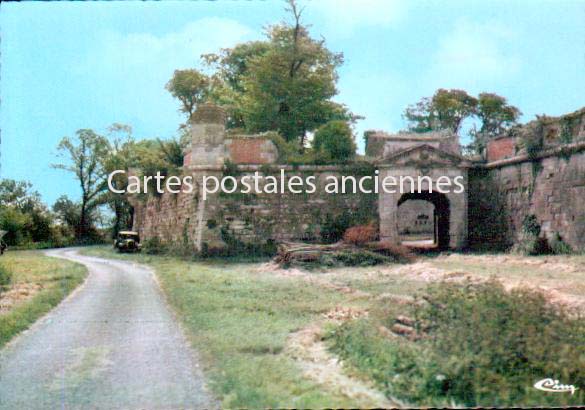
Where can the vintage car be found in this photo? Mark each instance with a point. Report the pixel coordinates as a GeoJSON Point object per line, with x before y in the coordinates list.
{"type": "Point", "coordinates": [3, 245]}
{"type": "Point", "coordinates": [127, 241]}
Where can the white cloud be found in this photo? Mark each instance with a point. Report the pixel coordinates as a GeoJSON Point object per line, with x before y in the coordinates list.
{"type": "Point", "coordinates": [128, 72]}
{"type": "Point", "coordinates": [474, 56]}
{"type": "Point", "coordinates": [345, 16]}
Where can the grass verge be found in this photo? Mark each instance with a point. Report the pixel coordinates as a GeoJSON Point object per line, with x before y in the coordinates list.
{"type": "Point", "coordinates": [477, 345]}
{"type": "Point", "coordinates": [56, 278]}
{"type": "Point", "coordinates": [239, 320]}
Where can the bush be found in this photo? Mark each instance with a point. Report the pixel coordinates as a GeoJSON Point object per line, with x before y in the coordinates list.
{"type": "Point", "coordinates": [361, 234]}
{"type": "Point", "coordinates": [334, 141]}
{"type": "Point", "coordinates": [399, 253]}
{"type": "Point", "coordinates": [530, 225]}
{"type": "Point", "coordinates": [530, 244]}
{"type": "Point", "coordinates": [353, 258]}
{"type": "Point", "coordinates": [16, 224]}
{"type": "Point", "coordinates": [558, 246]}
{"type": "Point", "coordinates": [237, 247]}
{"type": "Point", "coordinates": [480, 346]}
{"type": "Point", "coordinates": [333, 228]}
{"type": "Point", "coordinates": [153, 246]}
{"type": "Point", "coordinates": [5, 277]}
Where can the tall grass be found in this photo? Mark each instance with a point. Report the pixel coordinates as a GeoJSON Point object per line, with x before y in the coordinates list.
{"type": "Point", "coordinates": [480, 346]}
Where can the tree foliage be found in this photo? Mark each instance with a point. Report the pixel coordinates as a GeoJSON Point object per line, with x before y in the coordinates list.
{"type": "Point", "coordinates": [447, 109]}
{"type": "Point", "coordinates": [83, 157]}
{"type": "Point", "coordinates": [22, 213]}
{"type": "Point", "coordinates": [284, 83]}
{"type": "Point", "coordinates": [334, 141]}
{"type": "Point", "coordinates": [290, 86]}
{"type": "Point", "coordinates": [497, 117]}
{"type": "Point", "coordinates": [190, 87]}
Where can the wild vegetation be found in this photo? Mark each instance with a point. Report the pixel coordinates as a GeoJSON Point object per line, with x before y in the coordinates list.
{"type": "Point", "coordinates": [448, 109]}
{"type": "Point", "coordinates": [474, 345]}
{"type": "Point", "coordinates": [239, 319]}
{"type": "Point", "coordinates": [479, 343]}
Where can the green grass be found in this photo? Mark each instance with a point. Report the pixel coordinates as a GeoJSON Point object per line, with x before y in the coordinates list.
{"type": "Point", "coordinates": [482, 346]}
{"type": "Point", "coordinates": [239, 320]}
{"type": "Point", "coordinates": [57, 278]}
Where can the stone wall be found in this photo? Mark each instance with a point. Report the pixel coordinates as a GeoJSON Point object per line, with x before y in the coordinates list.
{"type": "Point", "coordinates": [499, 194]}
{"type": "Point", "coordinates": [551, 187]}
{"type": "Point", "coordinates": [185, 219]}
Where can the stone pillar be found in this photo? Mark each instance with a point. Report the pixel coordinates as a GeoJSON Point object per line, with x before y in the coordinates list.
{"type": "Point", "coordinates": [208, 136]}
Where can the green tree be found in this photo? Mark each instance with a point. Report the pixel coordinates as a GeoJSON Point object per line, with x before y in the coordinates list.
{"type": "Point", "coordinates": [227, 88]}
{"type": "Point", "coordinates": [19, 196]}
{"type": "Point", "coordinates": [334, 142]}
{"type": "Point", "coordinates": [83, 157]}
{"type": "Point", "coordinates": [122, 156]}
{"type": "Point", "coordinates": [446, 109]}
{"type": "Point", "coordinates": [190, 87]}
{"type": "Point", "coordinates": [497, 117]}
{"type": "Point", "coordinates": [283, 84]}
{"type": "Point", "coordinates": [67, 212]}
{"type": "Point", "coordinates": [289, 87]}
{"type": "Point", "coordinates": [16, 223]}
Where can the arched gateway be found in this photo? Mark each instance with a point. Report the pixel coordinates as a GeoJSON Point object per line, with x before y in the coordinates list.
{"type": "Point", "coordinates": [430, 162]}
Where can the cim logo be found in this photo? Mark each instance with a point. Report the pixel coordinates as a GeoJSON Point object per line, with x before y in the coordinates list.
{"type": "Point", "coordinates": [550, 385]}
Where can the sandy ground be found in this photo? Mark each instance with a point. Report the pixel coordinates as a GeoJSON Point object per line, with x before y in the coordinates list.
{"type": "Point", "coordinates": [557, 277]}
{"type": "Point", "coordinates": [113, 343]}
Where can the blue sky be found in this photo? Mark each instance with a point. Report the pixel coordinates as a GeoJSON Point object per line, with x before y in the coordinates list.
{"type": "Point", "coordinates": [72, 65]}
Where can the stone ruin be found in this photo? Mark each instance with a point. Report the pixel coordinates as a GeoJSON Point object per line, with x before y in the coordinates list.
{"type": "Point", "coordinates": [499, 191]}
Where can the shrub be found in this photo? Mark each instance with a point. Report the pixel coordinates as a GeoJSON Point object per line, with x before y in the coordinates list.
{"type": "Point", "coordinates": [481, 346]}
{"type": "Point", "coordinates": [499, 337]}
{"type": "Point", "coordinates": [354, 258]}
{"type": "Point", "coordinates": [361, 234]}
{"type": "Point", "coordinates": [399, 253]}
{"type": "Point", "coordinates": [334, 141]}
{"type": "Point", "coordinates": [237, 247]}
{"type": "Point", "coordinates": [153, 246]}
{"type": "Point", "coordinates": [333, 228]}
{"type": "Point", "coordinates": [530, 225]}
{"type": "Point", "coordinates": [533, 138]}
{"type": "Point", "coordinates": [5, 277]}
{"type": "Point", "coordinates": [558, 246]}
{"type": "Point", "coordinates": [530, 244]}
{"type": "Point", "coordinates": [16, 224]}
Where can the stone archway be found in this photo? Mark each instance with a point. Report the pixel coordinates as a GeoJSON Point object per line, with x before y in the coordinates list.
{"type": "Point", "coordinates": [430, 164]}
{"type": "Point", "coordinates": [441, 215]}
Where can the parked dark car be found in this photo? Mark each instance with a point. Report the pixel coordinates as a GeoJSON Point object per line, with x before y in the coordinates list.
{"type": "Point", "coordinates": [127, 241]}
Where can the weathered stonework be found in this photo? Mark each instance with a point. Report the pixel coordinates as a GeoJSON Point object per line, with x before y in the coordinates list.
{"type": "Point", "coordinates": [252, 218]}
{"type": "Point", "coordinates": [551, 187]}
{"type": "Point", "coordinates": [497, 196]}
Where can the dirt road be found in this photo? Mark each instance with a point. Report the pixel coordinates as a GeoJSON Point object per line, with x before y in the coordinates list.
{"type": "Point", "coordinates": [112, 344]}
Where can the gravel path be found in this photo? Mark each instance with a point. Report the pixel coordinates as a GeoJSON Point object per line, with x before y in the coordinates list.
{"type": "Point", "coordinates": [112, 344]}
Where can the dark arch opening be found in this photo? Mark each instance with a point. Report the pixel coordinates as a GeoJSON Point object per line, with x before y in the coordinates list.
{"type": "Point", "coordinates": [441, 214]}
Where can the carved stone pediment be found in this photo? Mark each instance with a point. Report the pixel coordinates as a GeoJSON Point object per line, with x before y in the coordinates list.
{"type": "Point", "coordinates": [424, 156]}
